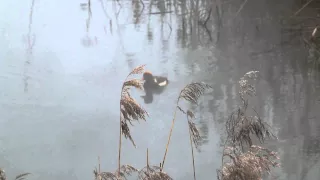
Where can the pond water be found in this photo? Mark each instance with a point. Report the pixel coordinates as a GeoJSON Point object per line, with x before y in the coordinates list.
{"type": "Point", "coordinates": [61, 72]}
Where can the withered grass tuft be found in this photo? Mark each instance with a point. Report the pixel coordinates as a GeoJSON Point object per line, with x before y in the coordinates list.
{"type": "Point", "coordinates": [152, 172]}
{"type": "Point", "coordinates": [251, 161]}
{"type": "Point", "coordinates": [247, 165]}
{"type": "Point", "coordinates": [240, 126]}
{"type": "Point", "coordinates": [130, 110]}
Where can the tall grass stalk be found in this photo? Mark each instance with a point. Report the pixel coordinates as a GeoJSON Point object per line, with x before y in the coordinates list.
{"type": "Point", "coordinates": [130, 110]}
{"type": "Point", "coordinates": [251, 161]}
{"type": "Point", "coordinates": [190, 93]}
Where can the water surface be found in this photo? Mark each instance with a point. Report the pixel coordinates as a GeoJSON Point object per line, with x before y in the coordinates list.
{"type": "Point", "coordinates": [61, 74]}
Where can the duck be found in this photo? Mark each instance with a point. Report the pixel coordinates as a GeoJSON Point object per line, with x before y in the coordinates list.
{"type": "Point", "coordinates": [153, 85]}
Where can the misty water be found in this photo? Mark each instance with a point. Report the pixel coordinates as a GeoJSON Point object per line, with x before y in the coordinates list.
{"type": "Point", "coordinates": [61, 73]}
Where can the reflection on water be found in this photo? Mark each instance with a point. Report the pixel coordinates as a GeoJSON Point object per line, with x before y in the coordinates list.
{"type": "Point", "coordinates": [30, 41]}
{"type": "Point", "coordinates": [58, 101]}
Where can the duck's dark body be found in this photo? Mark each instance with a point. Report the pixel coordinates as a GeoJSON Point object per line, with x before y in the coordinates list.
{"type": "Point", "coordinates": [153, 85]}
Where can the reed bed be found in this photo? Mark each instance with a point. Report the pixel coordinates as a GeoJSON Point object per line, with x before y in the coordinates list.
{"type": "Point", "coordinates": [131, 111]}
{"type": "Point", "coordinates": [241, 158]}
{"type": "Point", "coordinates": [238, 161]}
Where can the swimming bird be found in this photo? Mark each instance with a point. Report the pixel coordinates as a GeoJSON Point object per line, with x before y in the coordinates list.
{"type": "Point", "coordinates": [153, 85]}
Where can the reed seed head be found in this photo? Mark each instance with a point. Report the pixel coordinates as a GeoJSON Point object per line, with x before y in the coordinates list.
{"type": "Point", "coordinates": [240, 128]}
{"type": "Point", "coordinates": [153, 173]}
{"type": "Point", "coordinates": [125, 170]}
{"type": "Point", "coordinates": [193, 91]}
{"type": "Point", "coordinates": [129, 108]}
{"type": "Point", "coordinates": [133, 83]}
{"type": "Point", "coordinates": [137, 70]}
{"type": "Point", "coordinates": [245, 87]}
{"type": "Point", "coordinates": [250, 165]}
{"type": "Point", "coordinates": [194, 132]}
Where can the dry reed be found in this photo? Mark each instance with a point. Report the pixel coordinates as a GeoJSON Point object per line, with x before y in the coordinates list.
{"type": "Point", "coordinates": [119, 174]}
{"type": "Point", "coordinates": [190, 93]}
{"type": "Point", "coordinates": [130, 110]}
{"type": "Point", "coordinates": [251, 164]}
{"type": "Point", "coordinates": [152, 172]}
{"type": "Point", "coordinates": [241, 127]}
{"type": "Point", "coordinates": [125, 170]}
{"type": "Point", "coordinates": [195, 138]}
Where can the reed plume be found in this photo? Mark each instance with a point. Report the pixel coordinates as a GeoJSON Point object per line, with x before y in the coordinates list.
{"type": "Point", "coordinates": [152, 172]}
{"type": "Point", "coordinates": [195, 138]}
{"type": "Point", "coordinates": [125, 170]}
{"type": "Point", "coordinates": [130, 110]}
{"type": "Point", "coordinates": [249, 165]}
{"type": "Point", "coordinates": [190, 93]}
{"type": "Point", "coordinates": [240, 128]}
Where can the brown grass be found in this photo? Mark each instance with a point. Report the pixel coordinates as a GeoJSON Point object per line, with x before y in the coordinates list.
{"type": "Point", "coordinates": [250, 165]}
{"type": "Point", "coordinates": [241, 128]}
{"type": "Point", "coordinates": [237, 163]}
{"type": "Point", "coordinates": [190, 93]}
{"type": "Point", "coordinates": [152, 172]}
{"type": "Point", "coordinates": [130, 110]}
{"type": "Point", "coordinates": [125, 170]}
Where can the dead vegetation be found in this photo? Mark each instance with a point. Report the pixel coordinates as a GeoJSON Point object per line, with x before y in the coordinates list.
{"type": "Point", "coordinates": [131, 111]}
{"type": "Point", "coordinates": [18, 177]}
{"type": "Point", "coordinates": [240, 126]}
{"type": "Point", "coordinates": [190, 93]}
{"type": "Point", "coordinates": [152, 172]}
{"type": "Point", "coordinates": [241, 162]}
{"type": "Point", "coordinates": [250, 165]}
{"type": "Point", "coordinates": [241, 159]}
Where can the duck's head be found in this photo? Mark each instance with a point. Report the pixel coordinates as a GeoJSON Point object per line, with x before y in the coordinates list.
{"type": "Point", "coordinates": [147, 76]}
